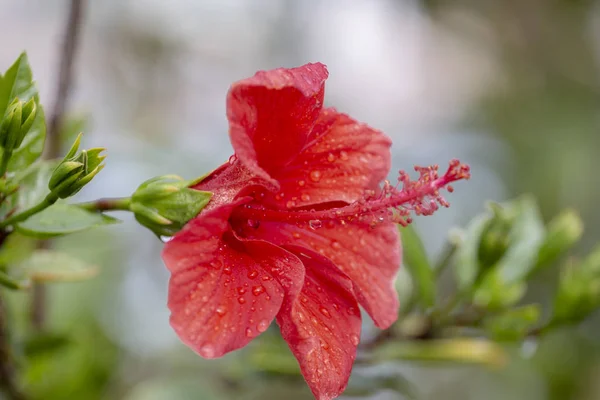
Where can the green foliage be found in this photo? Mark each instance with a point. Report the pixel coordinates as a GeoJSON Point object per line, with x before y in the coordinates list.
{"type": "Point", "coordinates": [416, 261]}
{"type": "Point", "coordinates": [62, 219]}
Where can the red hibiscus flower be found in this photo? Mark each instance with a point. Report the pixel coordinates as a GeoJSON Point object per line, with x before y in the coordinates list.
{"type": "Point", "coordinates": [299, 230]}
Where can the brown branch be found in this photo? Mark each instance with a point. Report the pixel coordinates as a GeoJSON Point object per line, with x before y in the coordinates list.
{"type": "Point", "coordinates": [53, 141]}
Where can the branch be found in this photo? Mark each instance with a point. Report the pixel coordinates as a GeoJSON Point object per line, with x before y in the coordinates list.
{"type": "Point", "coordinates": [53, 140]}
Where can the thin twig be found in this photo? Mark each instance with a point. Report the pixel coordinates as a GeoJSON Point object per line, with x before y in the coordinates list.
{"type": "Point", "coordinates": [53, 140]}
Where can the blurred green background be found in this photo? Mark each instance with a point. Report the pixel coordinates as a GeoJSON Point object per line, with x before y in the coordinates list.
{"type": "Point", "coordinates": [509, 86]}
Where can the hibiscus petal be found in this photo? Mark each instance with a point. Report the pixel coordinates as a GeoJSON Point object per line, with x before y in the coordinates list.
{"type": "Point", "coordinates": [223, 292]}
{"type": "Point", "coordinates": [272, 114]}
{"type": "Point", "coordinates": [370, 257]}
{"type": "Point", "coordinates": [345, 158]}
{"type": "Point", "coordinates": [322, 326]}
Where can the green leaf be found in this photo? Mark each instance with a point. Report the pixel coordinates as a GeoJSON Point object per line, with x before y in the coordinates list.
{"type": "Point", "coordinates": [44, 343]}
{"type": "Point", "coordinates": [62, 219]}
{"type": "Point", "coordinates": [494, 293]}
{"type": "Point", "coordinates": [54, 266]}
{"type": "Point", "coordinates": [513, 324]}
{"type": "Point", "coordinates": [525, 238]}
{"type": "Point", "coordinates": [15, 249]}
{"type": "Point", "coordinates": [17, 82]}
{"type": "Point", "coordinates": [415, 259]}
{"type": "Point", "coordinates": [467, 256]}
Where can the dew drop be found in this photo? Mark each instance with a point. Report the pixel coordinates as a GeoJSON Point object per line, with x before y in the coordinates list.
{"type": "Point", "coordinates": [241, 300]}
{"type": "Point", "coordinates": [268, 298]}
{"type": "Point", "coordinates": [241, 290]}
{"type": "Point", "coordinates": [315, 224]}
{"type": "Point", "coordinates": [301, 183]}
{"type": "Point", "coordinates": [252, 274]}
{"type": "Point", "coordinates": [336, 245]}
{"type": "Point", "coordinates": [221, 310]}
{"type": "Point", "coordinates": [290, 204]}
{"type": "Point", "coordinates": [262, 325]}
{"type": "Point", "coordinates": [304, 299]}
{"type": "Point", "coordinates": [315, 176]}
{"type": "Point", "coordinates": [266, 278]}
{"type": "Point", "coordinates": [330, 157]}
{"type": "Point", "coordinates": [305, 197]}
{"type": "Point", "coordinates": [232, 159]}
{"type": "Point", "coordinates": [205, 298]}
{"type": "Point", "coordinates": [325, 312]}
{"type": "Point", "coordinates": [207, 351]}
{"type": "Point", "coordinates": [257, 290]}
{"type": "Point", "coordinates": [249, 332]}
{"type": "Point", "coordinates": [343, 155]}
{"type": "Point", "coordinates": [314, 321]}
{"type": "Point", "coordinates": [227, 270]}
{"type": "Point", "coordinates": [324, 345]}
{"type": "Point", "coordinates": [355, 340]}
{"type": "Point", "coordinates": [296, 235]}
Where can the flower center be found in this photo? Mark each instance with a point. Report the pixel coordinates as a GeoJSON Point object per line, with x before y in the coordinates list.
{"type": "Point", "coordinates": [391, 204]}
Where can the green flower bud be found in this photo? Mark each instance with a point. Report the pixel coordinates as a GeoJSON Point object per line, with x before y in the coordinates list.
{"type": "Point", "coordinates": [166, 203]}
{"type": "Point", "coordinates": [562, 233]}
{"type": "Point", "coordinates": [75, 170]}
{"type": "Point", "coordinates": [578, 290]}
{"type": "Point", "coordinates": [495, 238]}
{"type": "Point", "coordinates": [15, 125]}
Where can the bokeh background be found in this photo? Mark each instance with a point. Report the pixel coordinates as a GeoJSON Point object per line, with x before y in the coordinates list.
{"type": "Point", "coordinates": [510, 86]}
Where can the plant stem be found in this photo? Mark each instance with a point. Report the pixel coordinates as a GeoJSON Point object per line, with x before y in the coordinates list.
{"type": "Point", "coordinates": [10, 283]}
{"type": "Point", "coordinates": [22, 216]}
{"type": "Point", "coordinates": [107, 204]}
{"type": "Point", "coordinates": [6, 155]}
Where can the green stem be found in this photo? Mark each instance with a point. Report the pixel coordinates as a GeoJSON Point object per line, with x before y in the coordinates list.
{"type": "Point", "coordinates": [109, 204]}
{"type": "Point", "coordinates": [444, 262]}
{"type": "Point", "coordinates": [6, 155]}
{"type": "Point", "coordinates": [47, 202]}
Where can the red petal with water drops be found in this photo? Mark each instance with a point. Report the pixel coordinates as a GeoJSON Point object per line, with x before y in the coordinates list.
{"type": "Point", "coordinates": [322, 326]}
{"type": "Point", "coordinates": [370, 257]}
{"type": "Point", "coordinates": [223, 292]}
{"type": "Point", "coordinates": [345, 158]}
{"type": "Point", "coordinates": [271, 115]}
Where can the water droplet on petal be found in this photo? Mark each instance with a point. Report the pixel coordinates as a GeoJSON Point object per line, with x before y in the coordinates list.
{"type": "Point", "coordinates": [241, 300]}
{"type": "Point", "coordinates": [355, 340]}
{"type": "Point", "coordinates": [304, 197]}
{"type": "Point", "coordinates": [257, 290]}
{"type": "Point", "coordinates": [336, 245]}
{"type": "Point", "coordinates": [221, 310]}
{"type": "Point", "coordinates": [296, 235]}
{"type": "Point", "coordinates": [262, 325]}
{"type": "Point", "coordinates": [290, 204]}
{"type": "Point", "coordinates": [301, 183]}
{"type": "Point", "coordinates": [304, 299]}
{"type": "Point", "coordinates": [252, 274]}
{"type": "Point", "coordinates": [315, 176]}
{"type": "Point", "coordinates": [325, 312]}
{"type": "Point", "coordinates": [266, 278]}
{"type": "Point", "coordinates": [241, 290]}
{"type": "Point", "coordinates": [249, 332]}
{"type": "Point", "coordinates": [207, 351]}
{"type": "Point", "coordinates": [324, 345]}
{"type": "Point", "coordinates": [315, 223]}
{"type": "Point", "coordinates": [227, 270]}
{"type": "Point", "coordinates": [343, 155]}
{"type": "Point", "coordinates": [330, 157]}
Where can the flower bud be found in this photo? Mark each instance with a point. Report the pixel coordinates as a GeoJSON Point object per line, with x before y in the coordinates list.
{"type": "Point", "coordinates": [495, 238]}
{"type": "Point", "coordinates": [164, 204]}
{"type": "Point", "coordinates": [75, 170]}
{"type": "Point", "coordinates": [578, 290]}
{"type": "Point", "coordinates": [562, 233]}
{"type": "Point", "coordinates": [17, 121]}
